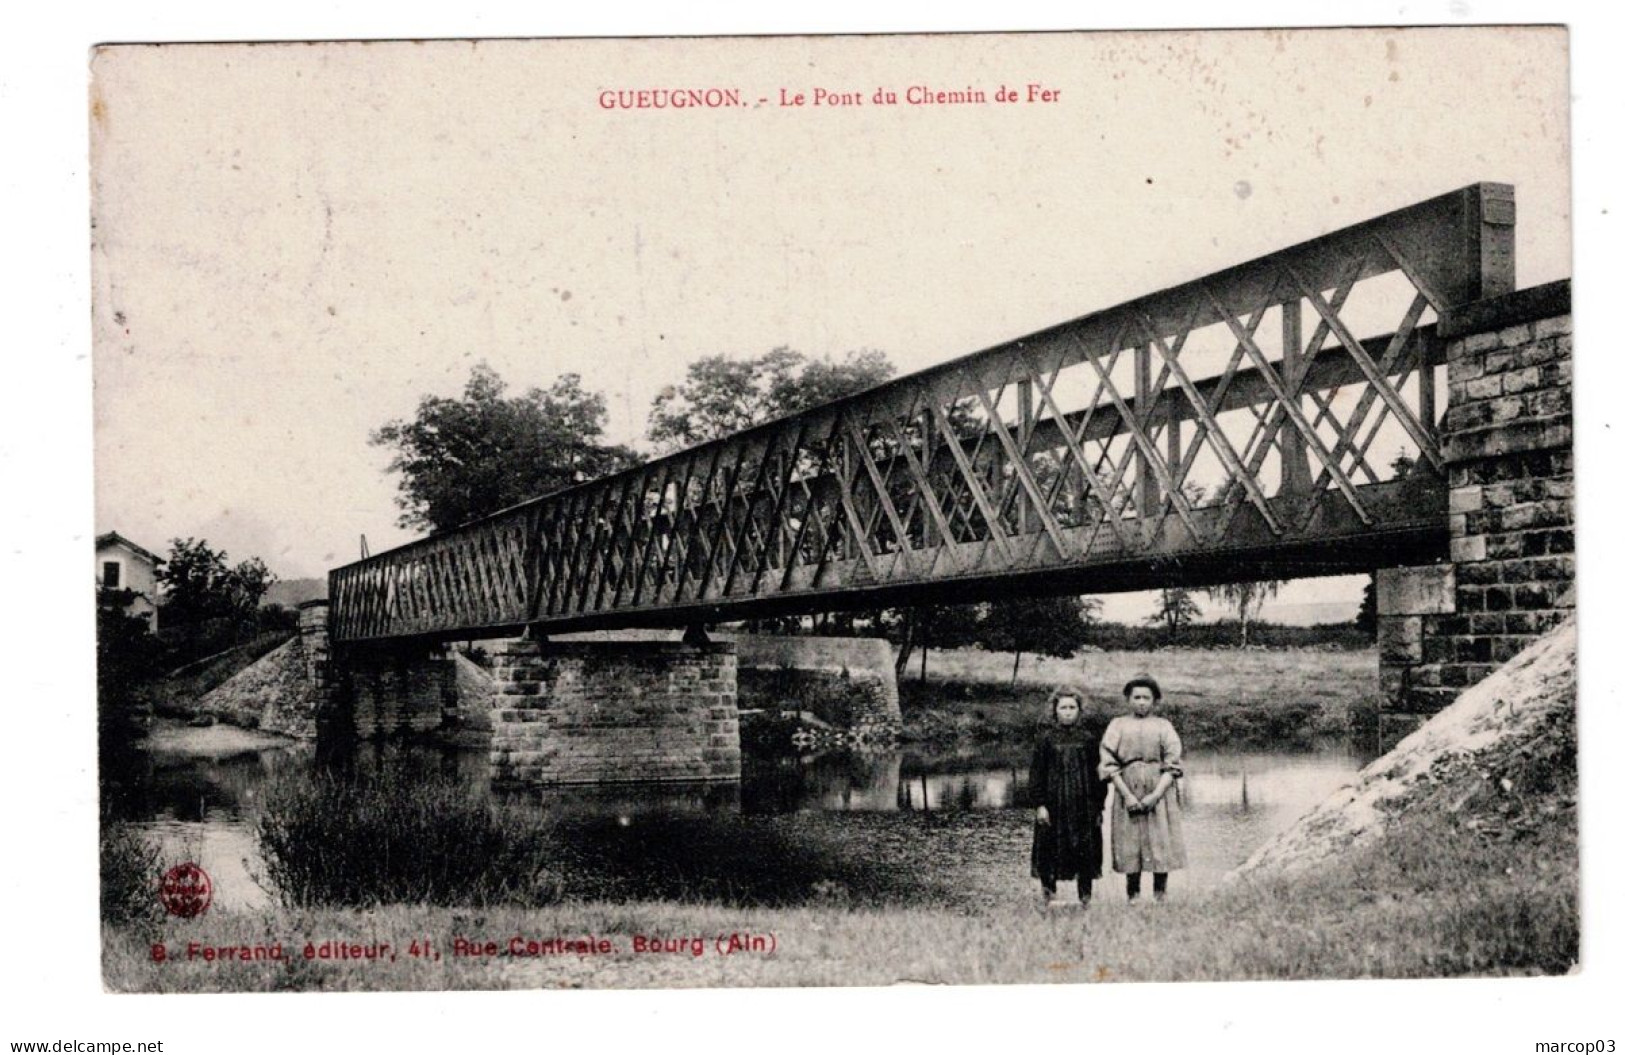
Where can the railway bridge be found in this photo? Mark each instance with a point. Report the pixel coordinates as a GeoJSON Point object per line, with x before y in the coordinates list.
{"type": "Point", "coordinates": [1379, 398]}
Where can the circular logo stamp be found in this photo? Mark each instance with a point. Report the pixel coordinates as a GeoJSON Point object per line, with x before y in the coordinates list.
{"type": "Point", "coordinates": [186, 891]}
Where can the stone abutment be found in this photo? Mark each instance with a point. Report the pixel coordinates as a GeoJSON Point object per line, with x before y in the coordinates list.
{"type": "Point", "coordinates": [1508, 450]}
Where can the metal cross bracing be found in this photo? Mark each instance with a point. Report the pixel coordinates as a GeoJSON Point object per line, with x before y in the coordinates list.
{"type": "Point", "coordinates": [1275, 419]}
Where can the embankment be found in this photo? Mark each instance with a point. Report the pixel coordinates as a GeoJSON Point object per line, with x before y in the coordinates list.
{"type": "Point", "coordinates": [1499, 761]}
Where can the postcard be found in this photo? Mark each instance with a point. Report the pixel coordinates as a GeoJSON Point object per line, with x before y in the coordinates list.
{"type": "Point", "coordinates": [1069, 507]}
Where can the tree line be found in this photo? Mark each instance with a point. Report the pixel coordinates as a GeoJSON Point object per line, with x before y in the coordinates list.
{"type": "Point", "coordinates": [1062, 626]}
{"type": "Point", "coordinates": [461, 459]}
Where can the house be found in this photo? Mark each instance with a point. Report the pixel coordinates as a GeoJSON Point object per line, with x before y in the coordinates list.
{"type": "Point", "coordinates": [122, 565]}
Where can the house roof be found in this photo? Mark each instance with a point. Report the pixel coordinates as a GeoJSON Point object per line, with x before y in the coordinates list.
{"type": "Point", "coordinates": [113, 538]}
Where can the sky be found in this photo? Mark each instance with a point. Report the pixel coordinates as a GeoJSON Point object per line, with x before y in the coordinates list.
{"type": "Point", "coordinates": [294, 243]}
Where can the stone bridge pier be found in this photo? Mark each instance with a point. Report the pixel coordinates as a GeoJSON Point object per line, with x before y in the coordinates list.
{"type": "Point", "coordinates": [373, 691]}
{"type": "Point", "coordinates": [1508, 452]}
{"type": "Point", "coordinates": [597, 712]}
{"type": "Point", "coordinates": [593, 711]}
{"type": "Point", "coordinates": [610, 711]}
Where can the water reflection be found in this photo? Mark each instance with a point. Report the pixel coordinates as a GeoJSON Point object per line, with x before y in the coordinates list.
{"type": "Point", "coordinates": [204, 809]}
{"type": "Point", "coordinates": [980, 790]}
{"type": "Point", "coordinates": [1231, 780]}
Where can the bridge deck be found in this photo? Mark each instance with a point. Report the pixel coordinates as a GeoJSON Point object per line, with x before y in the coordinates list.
{"type": "Point", "coordinates": [1200, 434]}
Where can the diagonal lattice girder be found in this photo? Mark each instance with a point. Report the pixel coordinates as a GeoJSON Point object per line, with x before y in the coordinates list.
{"type": "Point", "coordinates": [1040, 463]}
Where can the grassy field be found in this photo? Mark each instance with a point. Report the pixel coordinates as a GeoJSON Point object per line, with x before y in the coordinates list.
{"type": "Point", "coordinates": [1212, 696]}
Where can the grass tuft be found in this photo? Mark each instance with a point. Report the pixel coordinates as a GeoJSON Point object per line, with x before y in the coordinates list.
{"type": "Point", "coordinates": [399, 838]}
{"type": "Point", "coordinates": [130, 870]}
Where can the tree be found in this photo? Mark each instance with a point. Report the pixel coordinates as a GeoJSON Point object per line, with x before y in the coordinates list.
{"type": "Point", "coordinates": [128, 660]}
{"type": "Point", "coordinates": [721, 396]}
{"type": "Point", "coordinates": [1366, 620]}
{"type": "Point", "coordinates": [1176, 608]}
{"type": "Point", "coordinates": [1049, 626]}
{"type": "Point", "coordinates": [461, 459]}
{"type": "Point", "coordinates": [1246, 598]}
{"type": "Point", "coordinates": [126, 655]}
{"type": "Point", "coordinates": [199, 585]}
{"type": "Point", "coordinates": [930, 626]}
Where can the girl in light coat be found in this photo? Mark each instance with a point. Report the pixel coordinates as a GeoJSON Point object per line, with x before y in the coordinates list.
{"type": "Point", "coordinates": [1140, 756]}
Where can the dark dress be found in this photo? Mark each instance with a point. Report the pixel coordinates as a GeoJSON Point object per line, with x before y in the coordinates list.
{"type": "Point", "coordinates": [1065, 780]}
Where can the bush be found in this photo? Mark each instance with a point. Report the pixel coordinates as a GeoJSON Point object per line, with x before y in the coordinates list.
{"type": "Point", "coordinates": [276, 618]}
{"type": "Point", "coordinates": [188, 644]}
{"type": "Point", "coordinates": [398, 838]}
{"type": "Point", "coordinates": [830, 699]}
{"type": "Point", "coordinates": [768, 733]}
{"type": "Point", "coordinates": [130, 870]}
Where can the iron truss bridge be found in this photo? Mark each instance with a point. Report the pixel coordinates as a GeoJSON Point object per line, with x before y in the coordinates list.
{"type": "Point", "coordinates": [1277, 419]}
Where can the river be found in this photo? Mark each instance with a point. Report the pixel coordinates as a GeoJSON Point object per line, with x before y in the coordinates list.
{"type": "Point", "coordinates": [196, 793]}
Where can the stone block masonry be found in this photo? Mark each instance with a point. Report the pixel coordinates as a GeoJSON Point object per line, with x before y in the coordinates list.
{"type": "Point", "coordinates": [605, 712]}
{"type": "Point", "coordinates": [317, 653]}
{"type": "Point", "coordinates": [849, 682]}
{"type": "Point", "coordinates": [398, 690]}
{"type": "Point", "coordinates": [1508, 436]}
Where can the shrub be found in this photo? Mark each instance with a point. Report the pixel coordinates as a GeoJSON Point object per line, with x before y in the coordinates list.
{"type": "Point", "coordinates": [130, 870]}
{"type": "Point", "coordinates": [767, 733]}
{"type": "Point", "coordinates": [277, 618]}
{"type": "Point", "coordinates": [400, 838]}
{"type": "Point", "coordinates": [831, 699]}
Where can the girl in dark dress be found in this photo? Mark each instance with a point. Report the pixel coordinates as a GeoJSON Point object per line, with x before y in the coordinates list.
{"type": "Point", "coordinates": [1069, 796]}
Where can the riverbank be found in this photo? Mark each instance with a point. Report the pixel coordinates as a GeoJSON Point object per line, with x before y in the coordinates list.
{"type": "Point", "coordinates": [1213, 696]}
{"type": "Point", "coordinates": [1464, 864]}
{"type": "Point", "coordinates": [170, 737]}
{"type": "Point", "coordinates": [1475, 872]}
{"type": "Point", "coordinates": [180, 693]}
{"type": "Point", "coordinates": [1433, 899]}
